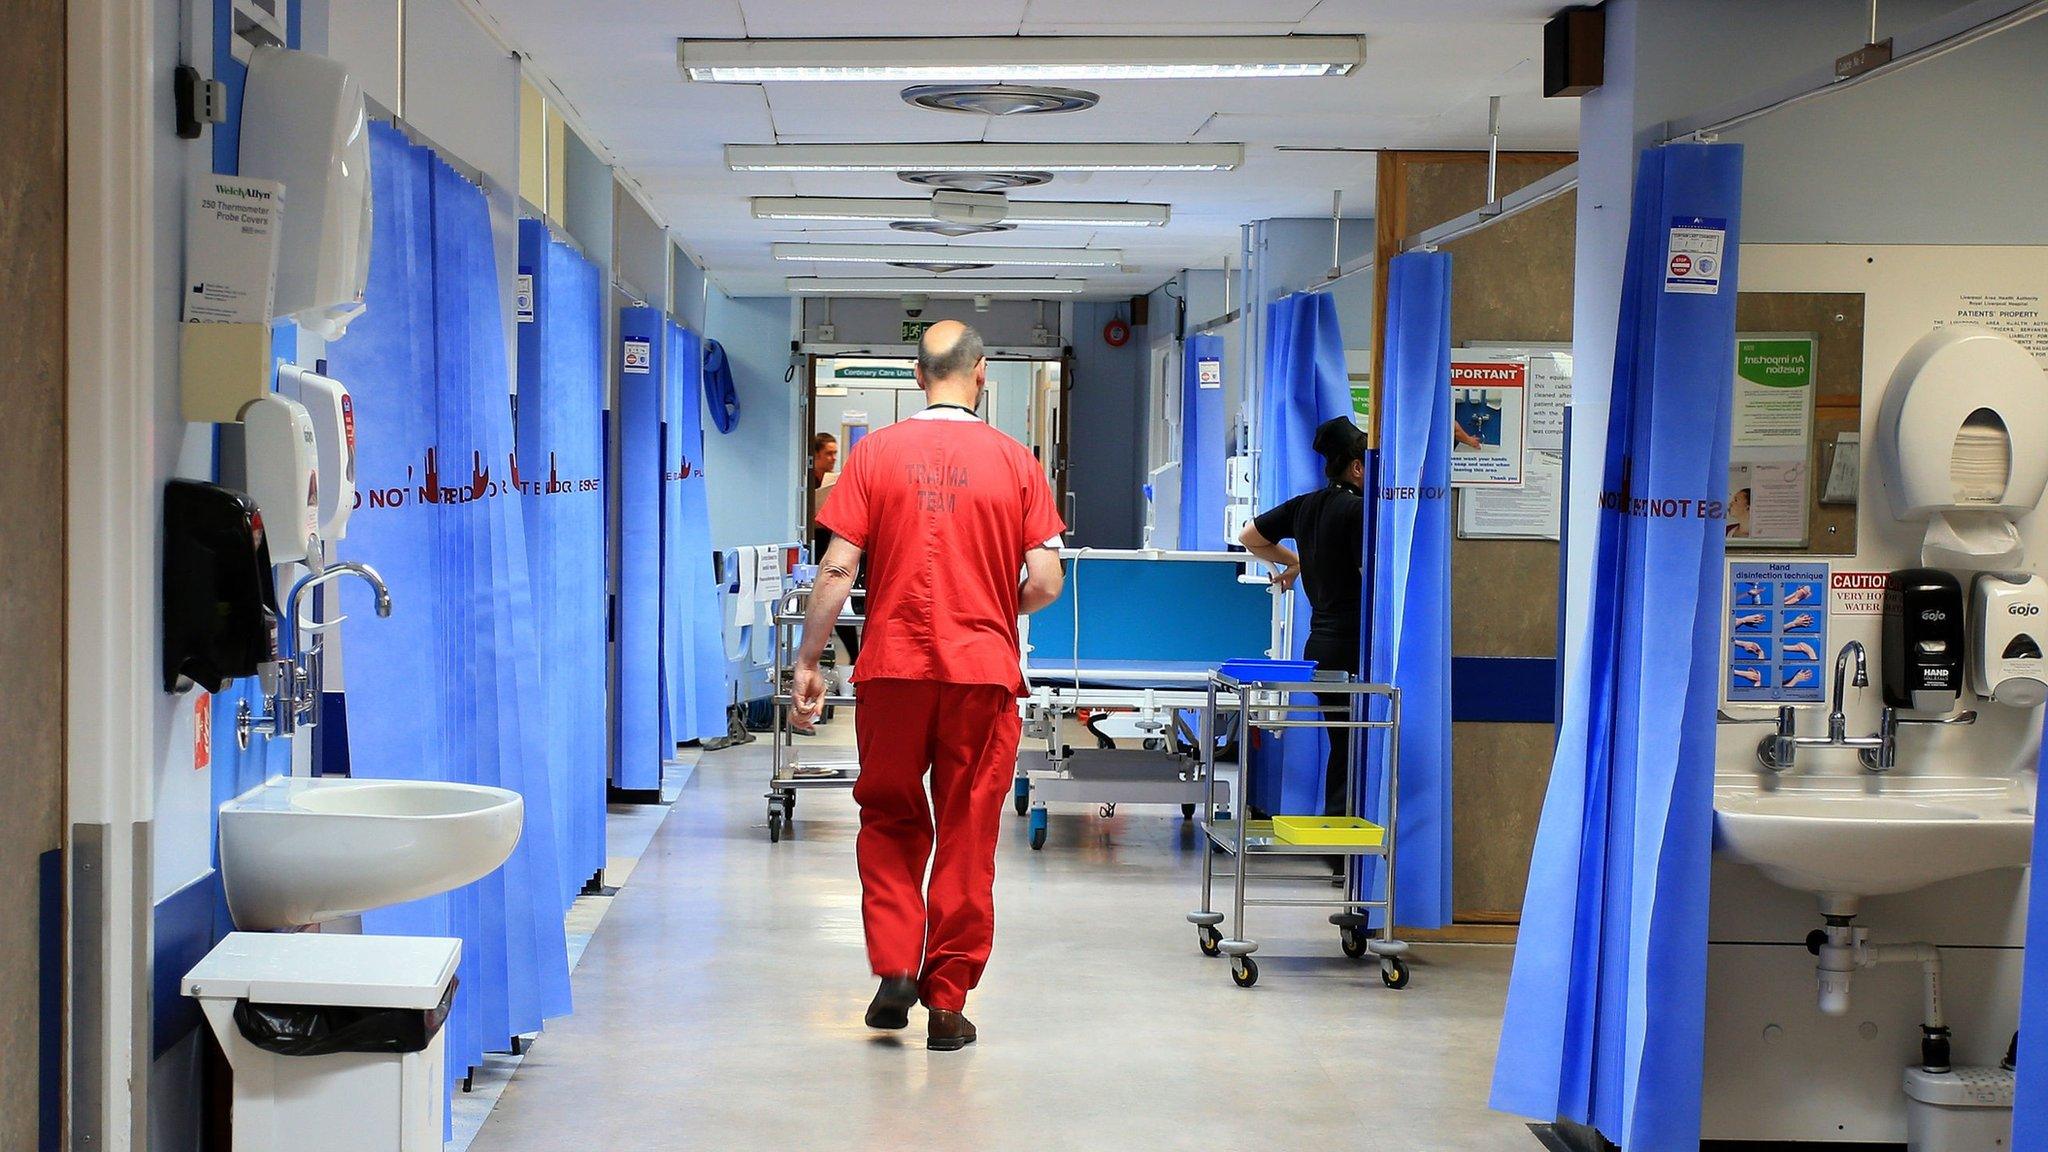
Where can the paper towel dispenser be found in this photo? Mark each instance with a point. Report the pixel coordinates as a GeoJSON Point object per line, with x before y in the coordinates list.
{"type": "Point", "coordinates": [1962, 442]}
{"type": "Point", "coordinates": [303, 125]}
{"type": "Point", "coordinates": [219, 602]}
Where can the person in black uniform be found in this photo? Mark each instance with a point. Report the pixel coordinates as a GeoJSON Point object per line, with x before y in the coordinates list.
{"type": "Point", "coordinates": [1328, 529]}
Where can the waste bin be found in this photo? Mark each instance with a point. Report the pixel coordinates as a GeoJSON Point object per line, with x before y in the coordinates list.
{"type": "Point", "coordinates": [335, 1040]}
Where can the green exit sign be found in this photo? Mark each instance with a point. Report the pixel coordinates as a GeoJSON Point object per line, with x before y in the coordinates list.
{"type": "Point", "coordinates": [913, 330]}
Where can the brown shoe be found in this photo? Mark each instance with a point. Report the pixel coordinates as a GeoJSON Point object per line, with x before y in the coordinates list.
{"type": "Point", "coordinates": [948, 1031]}
{"type": "Point", "coordinates": [891, 1006]}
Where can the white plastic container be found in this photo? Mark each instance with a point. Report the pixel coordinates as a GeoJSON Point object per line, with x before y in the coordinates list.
{"type": "Point", "coordinates": [1963, 1110]}
{"type": "Point", "coordinates": [344, 1101]}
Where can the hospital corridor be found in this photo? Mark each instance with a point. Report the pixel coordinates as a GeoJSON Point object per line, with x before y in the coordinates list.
{"type": "Point", "coordinates": [1398, 575]}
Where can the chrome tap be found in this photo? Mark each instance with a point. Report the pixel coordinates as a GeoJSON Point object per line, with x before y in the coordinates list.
{"type": "Point", "coordinates": [292, 681]}
{"type": "Point", "coordinates": [1838, 723]}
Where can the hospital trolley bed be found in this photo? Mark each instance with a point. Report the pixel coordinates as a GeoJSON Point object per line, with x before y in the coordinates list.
{"type": "Point", "coordinates": [787, 775]}
{"type": "Point", "coordinates": [1130, 645]}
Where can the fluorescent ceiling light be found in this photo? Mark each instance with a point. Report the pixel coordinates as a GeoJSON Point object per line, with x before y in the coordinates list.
{"type": "Point", "coordinates": [981, 157]}
{"type": "Point", "coordinates": [945, 60]}
{"type": "Point", "coordinates": [1027, 212]}
{"type": "Point", "coordinates": [933, 286]}
{"type": "Point", "coordinates": [979, 254]}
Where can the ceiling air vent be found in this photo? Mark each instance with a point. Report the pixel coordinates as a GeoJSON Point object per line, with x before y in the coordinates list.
{"type": "Point", "coordinates": [938, 266]}
{"type": "Point", "coordinates": [999, 99]}
{"type": "Point", "coordinates": [976, 181]}
{"type": "Point", "coordinates": [948, 227]}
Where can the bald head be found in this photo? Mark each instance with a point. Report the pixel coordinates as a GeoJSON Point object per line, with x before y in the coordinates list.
{"type": "Point", "coordinates": [949, 352]}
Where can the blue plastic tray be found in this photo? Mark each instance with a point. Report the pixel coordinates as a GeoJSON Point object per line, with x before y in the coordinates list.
{"type": "Point", "coordinates": [1282, 671]}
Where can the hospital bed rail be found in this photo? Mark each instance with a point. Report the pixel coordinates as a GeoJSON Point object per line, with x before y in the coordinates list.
{"type": "Point", "coordinates": [788, 775]}
{"type": "Point", "coordinates": [1275, 705]}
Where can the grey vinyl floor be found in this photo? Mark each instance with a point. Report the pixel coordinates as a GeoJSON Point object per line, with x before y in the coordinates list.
{"type": "Point", "coordinates": [719, 1003]}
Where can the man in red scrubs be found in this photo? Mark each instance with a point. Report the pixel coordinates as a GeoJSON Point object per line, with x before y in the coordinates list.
{"type": "Point", "coordinates": [957, 523]}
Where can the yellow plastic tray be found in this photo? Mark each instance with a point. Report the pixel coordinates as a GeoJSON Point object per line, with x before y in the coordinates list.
{"type": "Point", "coordinates": [1335, 831]}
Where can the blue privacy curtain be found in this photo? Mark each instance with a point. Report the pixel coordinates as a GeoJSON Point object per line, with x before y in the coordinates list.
{"type": "Point", "coordinates": [637, 751]}
{"type": "Point", "coordinates": [2030, 1105]}
{"type": "Point", "coordinates": [1303, 384]}
{"type": "Point", "coordinates": [1410, 566]}
{"type": "Point", "coordinates": [561, 462]}
{"type": "Point", "coordinates": [447, 688]}
{"type": "Point", "coordinates": [1606, 1007]}
{"type": "Point", "coordinates": [692, 626]}
{"type": "Point", "coordinates": [1204, 448]}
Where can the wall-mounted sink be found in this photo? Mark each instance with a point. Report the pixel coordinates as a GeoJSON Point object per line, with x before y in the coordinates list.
{"type": "Point", "coordinates": [1846, 837]}
{"type": "Point", "coordinates": [297, 850]}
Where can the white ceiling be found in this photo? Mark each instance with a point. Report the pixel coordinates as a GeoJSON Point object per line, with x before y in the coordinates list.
{"type": "Point", "coordinates": [1430, 66]}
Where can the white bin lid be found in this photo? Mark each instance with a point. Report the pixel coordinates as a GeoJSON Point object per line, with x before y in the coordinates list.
{"type": "Point", "coordinates": [327, 968]}
{"type": "Point", "coordinates": [1961, 1087]}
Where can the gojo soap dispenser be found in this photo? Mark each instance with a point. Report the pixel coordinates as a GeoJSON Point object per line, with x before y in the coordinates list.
{"type": "Point", "coordinates": [1923, 640]}
{"type": "Point", "coordinates": [220, 604]}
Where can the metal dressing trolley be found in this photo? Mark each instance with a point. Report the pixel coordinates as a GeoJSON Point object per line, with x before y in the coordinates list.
{"type": "Point", "coordinates": [1266, 705]}
{"type": "Point", "coordinates": [786, 776]}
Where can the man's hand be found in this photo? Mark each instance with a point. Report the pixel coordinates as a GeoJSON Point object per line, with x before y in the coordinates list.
{"type": "Point", "coordinates": [808, 693]}
{"type": "Point", "coordinates": [1284, 580]}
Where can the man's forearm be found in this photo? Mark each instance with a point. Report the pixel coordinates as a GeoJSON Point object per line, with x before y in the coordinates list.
{"type": "Point", "coordinates": [828, 596]}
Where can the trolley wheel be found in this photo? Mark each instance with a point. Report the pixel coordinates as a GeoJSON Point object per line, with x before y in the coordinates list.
{"type": "Point", "coordinates": [1210, 939]}
{"type": "Point", "coordinates": [1187, 811]}
{"type": "Point", "coordinates": [789, 804]}
{"type": "Point", "coordinates": [1020, 796]}
{"type": "Point", "coordinates": [1244, 970]}
{"type": "Point", "coordinates": [1354, 944]}
{"type": "Point", "coordinates": [774, 824]}
{"type": "Point", "coordinates": [1039, 821]}
{"type": "Point", "coordinates": [1394, 972]}
{"type": "Point", "coordinates": [1037, 839]}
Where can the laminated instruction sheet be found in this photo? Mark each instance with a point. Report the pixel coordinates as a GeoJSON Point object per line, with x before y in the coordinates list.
{"type": "Point", "coordinates": [1777, 631]}
{"type": "Point", "coordinates": [1770, 477]}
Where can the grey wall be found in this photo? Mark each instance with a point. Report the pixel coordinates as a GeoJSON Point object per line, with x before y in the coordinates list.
{"type": "Point", "coordinates": [751, 472]}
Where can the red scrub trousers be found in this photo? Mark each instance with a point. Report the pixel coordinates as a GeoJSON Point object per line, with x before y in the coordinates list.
{"type": "Point", "coordinates": [965, 736]}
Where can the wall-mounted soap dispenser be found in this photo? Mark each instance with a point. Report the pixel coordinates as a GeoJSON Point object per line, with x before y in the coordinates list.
{"type": "Point", "coordinates": [2009, 622]}
{"type": "Point", "coordinates": [1923, 640]}
{"type": "Point", "coordinates": [334, 440]}
{"type": "Point", "coordinates": [280, 460]}
{"type": "Point", "coordinates": [220, 605]}
{"type": "Point", "coordinates": [1962, 440]}
{"type": "Point", "coordinates": [303, 125]}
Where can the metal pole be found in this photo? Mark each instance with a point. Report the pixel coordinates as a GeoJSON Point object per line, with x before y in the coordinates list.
{"type": "Point", "coordinates": [1336, 233]}
{"type": "Point", "coordinates": [1492, 149]}
{"type": "Point", "coordinates": [1873, 23]}
{"type": "Point", "coordinates": [1247, 352]}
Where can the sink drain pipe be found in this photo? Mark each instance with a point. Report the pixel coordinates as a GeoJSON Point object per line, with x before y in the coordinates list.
{"type": "Point", "coordinates": [1844, 946]}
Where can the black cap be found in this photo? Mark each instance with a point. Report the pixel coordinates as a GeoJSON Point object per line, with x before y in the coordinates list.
{"type": "Point", "coordinates": [1339, 441]}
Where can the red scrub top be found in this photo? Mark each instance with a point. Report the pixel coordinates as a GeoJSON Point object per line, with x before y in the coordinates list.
{"type": "Point", "coordinates": [944, 508]}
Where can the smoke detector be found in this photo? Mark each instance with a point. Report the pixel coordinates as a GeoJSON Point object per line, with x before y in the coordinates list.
{"type": "Point", "coordinates": [939, 266]}
{"type": "Point", "coordinates": [976, 181]}
{"type": "Point", "coordinates": [999, 99]}
{"type": "Point", "coordinates": [948, 227]}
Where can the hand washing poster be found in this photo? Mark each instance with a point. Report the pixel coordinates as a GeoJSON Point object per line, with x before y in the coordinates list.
{"type": "Point", "coordinates": [1777, 632]}
{"type": "Point", "coordinates": [1489, 423]}
{"type": "Point", "coordinates": [1770, 479]}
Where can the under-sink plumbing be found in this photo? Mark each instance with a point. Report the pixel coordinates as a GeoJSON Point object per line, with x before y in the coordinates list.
{"type": "Point", "coordinates": [291, 683]}
{"type": "Point", "coordinates": [1843, 946]}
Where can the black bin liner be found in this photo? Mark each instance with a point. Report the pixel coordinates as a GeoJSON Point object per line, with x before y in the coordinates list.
{"type": "Point", "coordinates": [325, 1029]}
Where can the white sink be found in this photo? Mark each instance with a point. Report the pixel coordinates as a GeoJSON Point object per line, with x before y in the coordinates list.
{"type": "Point", "coordinates": [1844, 837]}
{"type": "Point", "coordinates": [299, 851]}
